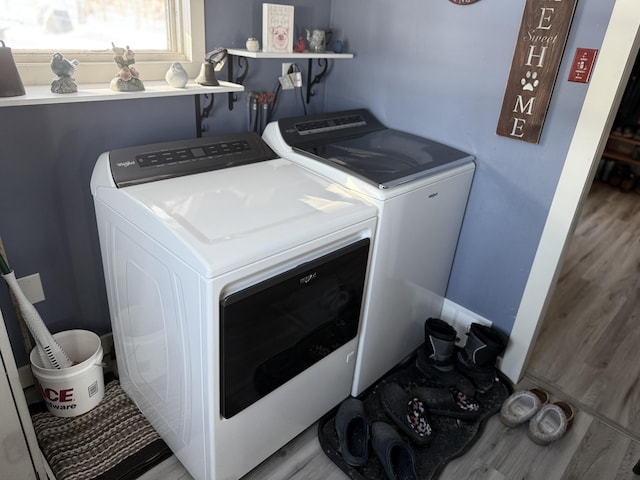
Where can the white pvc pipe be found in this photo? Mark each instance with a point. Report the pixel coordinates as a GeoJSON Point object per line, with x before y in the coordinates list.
{"type": "Point", "coordinates": [50, 352]}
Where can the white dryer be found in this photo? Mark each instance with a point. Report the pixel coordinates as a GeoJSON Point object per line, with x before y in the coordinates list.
{"type": "Point", "coordinates": [235, 281]}
{"type": "Point", "coordinates": [421, 188]}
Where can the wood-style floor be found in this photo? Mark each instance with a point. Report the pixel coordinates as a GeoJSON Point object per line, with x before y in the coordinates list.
{"type": "Point", "coordinates": [589, 344]}
{"type": "Point", "coordinates": [587, 353]}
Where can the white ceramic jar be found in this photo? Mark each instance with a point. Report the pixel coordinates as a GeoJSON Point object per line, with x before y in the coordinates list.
{"type": "Point", "coordinates": [252, 44]}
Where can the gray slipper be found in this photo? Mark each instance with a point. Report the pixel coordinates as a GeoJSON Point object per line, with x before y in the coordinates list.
{"type": "Point", "coordinates": [522, 405]}
{"type": "Point", "coordinates": [550, 423]}
{"type": "Point", "coordinates": [396, 457]}
{"type": "Point", "coordinates": [352, 429]}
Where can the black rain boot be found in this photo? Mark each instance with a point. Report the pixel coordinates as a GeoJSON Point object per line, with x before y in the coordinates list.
{"type": "Point", "coordinates": [436, 357]}
{"type": "Point", "coordinates": [477, 360]}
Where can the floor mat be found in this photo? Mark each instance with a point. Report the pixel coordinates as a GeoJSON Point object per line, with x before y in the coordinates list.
{"type": "Point", "coordinates": [452, 437]}
{"type": "Point", "coordinates": [113, 441]}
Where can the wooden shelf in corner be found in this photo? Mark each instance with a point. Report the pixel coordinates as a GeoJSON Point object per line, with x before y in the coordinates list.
{"type": "Point", "coordinates": [621, 149]}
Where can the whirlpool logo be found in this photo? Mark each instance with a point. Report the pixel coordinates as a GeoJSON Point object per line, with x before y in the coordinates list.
{"type": "Point", "coordinates": [128, 163]}
{"type": "Point", "coordinates": [307, 278]}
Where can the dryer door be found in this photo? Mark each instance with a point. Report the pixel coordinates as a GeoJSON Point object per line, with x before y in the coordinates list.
{"type": "Point", "coordinates": [274, 330]}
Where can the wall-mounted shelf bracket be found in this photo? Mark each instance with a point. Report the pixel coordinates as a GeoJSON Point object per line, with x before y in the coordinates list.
{"type": "Point", "coordinates": [318, 78]}
{"type": "Point", "coordinates": [243, 65]}
{"type": "Point", "coordinates": [202, 113]}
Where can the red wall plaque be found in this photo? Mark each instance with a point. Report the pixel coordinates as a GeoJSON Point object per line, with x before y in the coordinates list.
{"type": "Point", "coordinates": [582, 65]}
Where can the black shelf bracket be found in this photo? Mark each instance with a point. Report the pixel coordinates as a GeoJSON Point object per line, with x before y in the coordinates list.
{"type": "Point", "coordinates": [322, 62]}
{"type": "Point", "coordinates": [202, 113]}
{"type": "Point", "coordinates": [243, 64]}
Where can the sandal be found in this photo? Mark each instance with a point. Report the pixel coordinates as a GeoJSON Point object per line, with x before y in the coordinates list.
{"type": "Point", "coordinates": [522, 405]}
{"type": "Point", "coordinates": [407, 412]}
{"type": "Point", "coordinates": [449, 402]}
{"type": "Point", "coordinates": [551, 422]}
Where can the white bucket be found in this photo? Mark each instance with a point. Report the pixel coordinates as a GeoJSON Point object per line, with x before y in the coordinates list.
{"type": "Point", "coordinates": [75, 390]}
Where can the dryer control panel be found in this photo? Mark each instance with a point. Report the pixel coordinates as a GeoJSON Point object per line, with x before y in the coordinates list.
{"type": "Point", "coordinates": [148, 163]}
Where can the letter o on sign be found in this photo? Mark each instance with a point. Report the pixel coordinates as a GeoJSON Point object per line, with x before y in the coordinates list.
{"type": "Point", "coordinates": [463, 2]}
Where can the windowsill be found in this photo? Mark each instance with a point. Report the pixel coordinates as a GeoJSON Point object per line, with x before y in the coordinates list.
{"type": "Point", "coordinates": [41, 94]}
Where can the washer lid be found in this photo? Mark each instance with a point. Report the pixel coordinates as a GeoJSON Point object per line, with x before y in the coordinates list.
{"type": "Point", "coordinates": [355, 141]}
{"type": "Point", "coordinates": [220, 220]}
{"type": "Point", "coordinates": [389, 157]}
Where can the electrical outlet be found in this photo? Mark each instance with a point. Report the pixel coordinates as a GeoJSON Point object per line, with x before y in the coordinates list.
{"type": "Point", "coordinates": [31, 286]}
{"type": "Point", "coordinates": [285, 68]}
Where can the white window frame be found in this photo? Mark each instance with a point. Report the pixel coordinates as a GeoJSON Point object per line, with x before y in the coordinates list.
{"type": "Point", "coordinates": [99, 67]}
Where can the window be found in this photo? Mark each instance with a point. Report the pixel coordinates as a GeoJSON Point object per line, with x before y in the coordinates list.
{"type": "Point", "coordinates": [158, 31]}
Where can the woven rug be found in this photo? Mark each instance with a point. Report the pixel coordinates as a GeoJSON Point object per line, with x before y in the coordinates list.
{"type": "Point", "coordinates": [113, 441]}
{"type": "Point", "coordinates": [452, 437]}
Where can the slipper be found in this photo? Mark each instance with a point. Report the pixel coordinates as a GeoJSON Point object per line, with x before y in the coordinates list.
{"type": "Point", "coordinates": [407, 412]}
{"type": "Point", "coordinates": [522, 405]}
{"type": "Point", "coordinates": [551, 422]}
{"type": "Point", "coordinates": [395, 455]}
{"type": "Point", "coordinates": [448, 402]}
{"type": "Point", "coordinates": [353, 432]}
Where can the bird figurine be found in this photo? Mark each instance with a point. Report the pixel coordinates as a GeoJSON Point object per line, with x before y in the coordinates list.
{"type": "Point", "coordinates": [63, 67]}
{"type": "Point", "coordinates": [176, 76]}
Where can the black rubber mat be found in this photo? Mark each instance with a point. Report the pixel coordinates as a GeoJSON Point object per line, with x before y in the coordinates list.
{"type": "Point", "coordinates": [452, 437]}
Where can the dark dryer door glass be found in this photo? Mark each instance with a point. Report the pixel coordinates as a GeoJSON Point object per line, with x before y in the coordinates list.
{"type": "Point", "coordinates": [274, 330]}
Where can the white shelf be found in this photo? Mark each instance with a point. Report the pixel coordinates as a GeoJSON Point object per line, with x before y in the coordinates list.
{"type": "Point", "coordinates": [242, 52]}
{"type": "Point", "coordinates": [41, 94]}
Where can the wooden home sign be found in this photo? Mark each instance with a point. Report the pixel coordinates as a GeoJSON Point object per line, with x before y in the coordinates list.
{"type": "Point", "coordinates": [536, 60]}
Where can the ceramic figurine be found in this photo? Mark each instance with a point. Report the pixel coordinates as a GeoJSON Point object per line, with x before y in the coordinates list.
{"type": "Point", "coordinates": [300, 46]}
{"type": "Point", "coordinates": [64, 69]}
{"type": "Point", "coordinates": [252, 44]}
{"type": "Point", "coordinates": [176, 76]}
{"type": "Point", "coordinates": [128, 78]}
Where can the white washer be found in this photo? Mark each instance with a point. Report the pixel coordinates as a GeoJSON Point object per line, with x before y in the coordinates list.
{"type": "Point", "coordinates": [226, 269]}
{"type": "Point", "coordinates": [421, 189]}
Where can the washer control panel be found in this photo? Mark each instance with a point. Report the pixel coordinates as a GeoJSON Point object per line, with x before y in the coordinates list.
{"type": "Point", "coordinates": [148, 163]}
{"type": "Point", "coordinates": [324, 128]}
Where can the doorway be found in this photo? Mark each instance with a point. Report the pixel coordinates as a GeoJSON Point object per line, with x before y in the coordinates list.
{"type": "Point", "coordinates": [619, 49]}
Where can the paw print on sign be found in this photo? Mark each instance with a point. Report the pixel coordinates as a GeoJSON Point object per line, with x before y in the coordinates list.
{"type": "Point", "coordinates": [530, 81]}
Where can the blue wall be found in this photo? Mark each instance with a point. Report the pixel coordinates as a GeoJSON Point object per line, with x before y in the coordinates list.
{"type": "Point", "coordinates": [439, 69]}
{"type": "Point", "coordinates": [432, 68]}
{"type": "Point", "coordinates": [47, 153]}
{"type": "Point", "coordinates": [229, 24]}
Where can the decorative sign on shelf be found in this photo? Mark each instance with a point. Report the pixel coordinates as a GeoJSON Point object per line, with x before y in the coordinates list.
{"type": "Point", "coordinates": [277, 28]}
{"type": "Point", "coordinates": [536, 60]}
